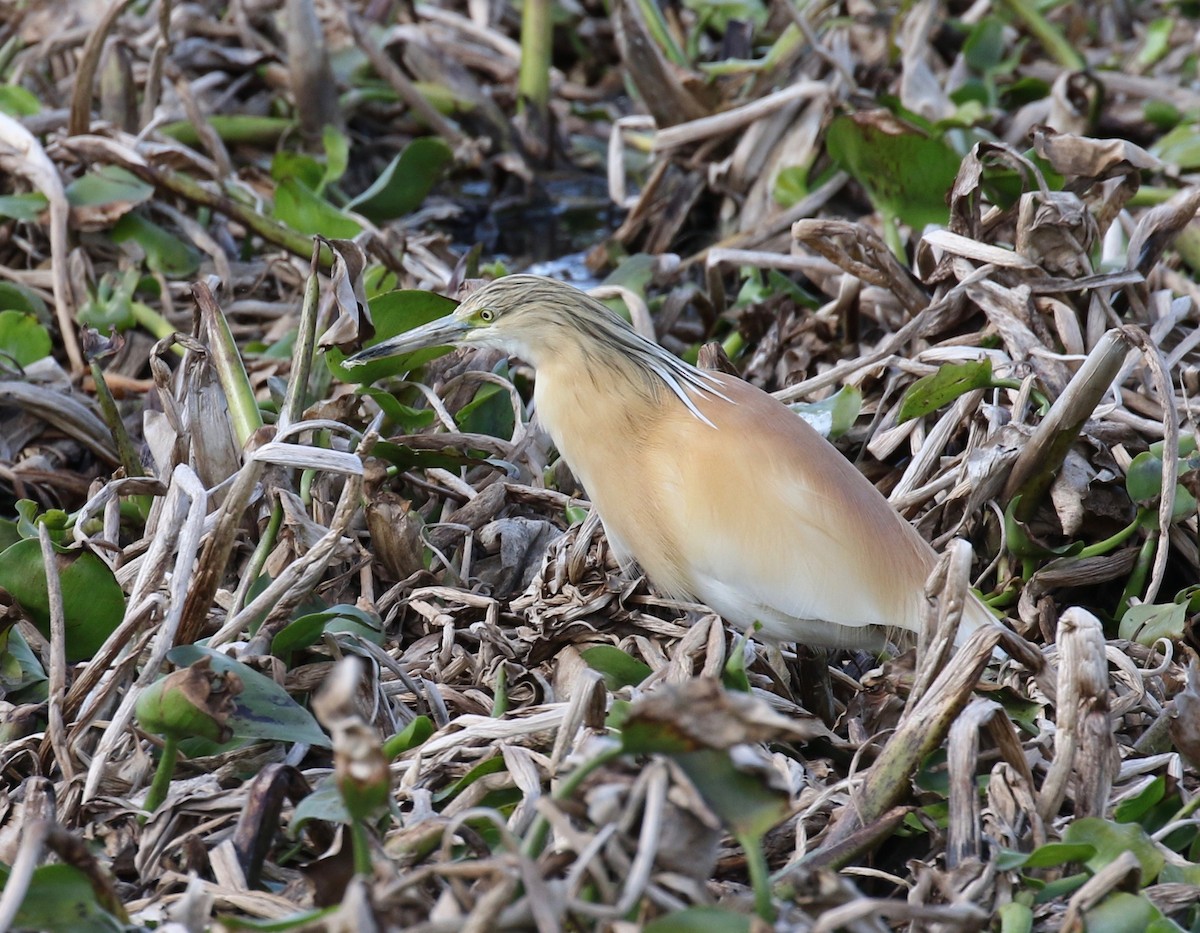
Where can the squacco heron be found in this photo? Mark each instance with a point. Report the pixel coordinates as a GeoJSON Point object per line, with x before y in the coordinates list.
{"type": "Point", "coordinates": [717, 490]}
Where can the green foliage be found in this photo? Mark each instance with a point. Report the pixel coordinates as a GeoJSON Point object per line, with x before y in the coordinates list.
{"type": "Point", "coordinates": [394, 313]}
{"type": "Point", "coordinates": [406, 182]}
{"type": "Point", "coordinates": [61, 899]}
{"type": "Point", "coordinates": [264, 710]}
{"type": "Point", "coordinates": [929, 393]}
{"type": "Point", "coordinates": [616, 667]}
{"type": "Point", "coordinates": [93, 602]}
{"type": "Point", "coordinates": [22, 338]}
{"type": "Point", "coordinates": [879, 151]}
{"type": "Point", "coordinates": [307, 629]}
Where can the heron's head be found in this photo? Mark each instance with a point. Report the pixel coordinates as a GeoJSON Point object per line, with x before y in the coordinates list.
{"type": "Point", "coordinates": [525, 315]}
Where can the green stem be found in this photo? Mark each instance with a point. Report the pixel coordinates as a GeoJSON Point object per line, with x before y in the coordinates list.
{"type": "Point", "coordinates": [536, 840]}
{"type": "Point", "coordinates": [537, 34]}
{"type": "Point", "coordinates": [162, 777]}
{"type": "Point", "coordinates": [362, 849]}
{"type": "Point", "coordinates": [1108, 544]}
{"type": "Point", "coordinates": [760, 875]}
{"type": "Point", "coordinates": [302, 353]}
{"type": "Point", "coordinates": [112, 417]}
{"type": "Point", "coordinates": [1052, 40]}
{"type": "Point", "coordinates": [1137, 579]}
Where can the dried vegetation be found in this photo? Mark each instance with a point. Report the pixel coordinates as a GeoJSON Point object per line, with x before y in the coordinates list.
{"type": "Point", "coordinates": [552, 740]}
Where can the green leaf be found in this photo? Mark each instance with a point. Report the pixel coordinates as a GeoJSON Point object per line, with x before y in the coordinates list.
{"type": "Point", "coordinates": [1111, 840]}
{"type": "Point", "coordinates": [616, 667]}
{"type": "Point", "coordinates": [1147, 623]}
{"type": "Point", "coordinates": [27, 207]}
{"type": "Point", "coordinates": [929, 393]}
{"type": "Point", "coordinates": [791, 185]}
{"type": "Point", "coordinates": [405, 183]}
{"type": "Point", "coordinates": [60, 899]}
{"type": "Point", "coordinates": [307, 212]}
{"type": "Point", "coordinates": [305, 920]}
{"type": "Point", "coordinates": [1015, 917]}
{"type": "Point", "coordinates": [18, 102]}
{"type": "Point", "coordinates": [834, 416]}
{"type": "Point", "coordinates": [23, 338]}
{"type": "Point", "coordinates": [93, 604]}
{"type": "Point", "coordinates": [307, 630]}
{"type": "Point", "coordinates": [744, 802]}
{"type": "Point", "coordinates": [414, 734]}
{"type": "Point", "coordinates": [1050, 855]}
{"type": "Point", "coordinates": [490, 412]}
{"type": "Point", "coordinates": [22, 677]}
{"type": "Point", "coordinates": [337, 156]}
{"type": "Point", "coordinates": [1180, 147]}
{"type": "Point", "coordinates": [324, 803]}
{"type": "Point", "coordinates": [1122, 912]}
{"type": "Point", "coordinates": [16, 297]}
{"type": "Point", "coordinates": [1132, 809]}
{"type": "Point", "coordinates": [300, 166]}
{"type": "Point", "coordinates": [700, 920]}
{"type": "Point", "coordinates": [394, 313]}
{"type": "Point", "coordinates": [109, 184]}
{"type": "Point", "coordinates": [264, 709]}
{"type": "Point", "coordinates": [493, 765]}
{"type": "Point", "coordinates": [408, 419]}
{"type": "Point", "coordinates": [881, 152]}
{"type": "Point", "coordinates": [984, 47]}
{"type": "Point", "coordinates": [165, 252]}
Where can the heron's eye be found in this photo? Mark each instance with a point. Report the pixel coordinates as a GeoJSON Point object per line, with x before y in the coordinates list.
{"type": "Point", "coordinates": [487, 315]}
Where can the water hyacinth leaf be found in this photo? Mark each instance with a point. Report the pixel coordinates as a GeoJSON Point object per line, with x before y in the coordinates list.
{"type": "Point", "coordinates": [490, 412]}
{"type": "Point", "coordinates": [61, 899]}
{"type": "Point", "coordinates": [22, 338]}
{"type": "Point", "coordinates": [1147, 623]}
{"type": "Point", "coordinates": [394, 313]}
{"type": "Point", "coordinates": [16, 101]}
{"type": "Point", "coordinates": [307, 630]}
{"type": "Point", "coordinates": [1015, 917]}
{"type": "Point", "coordinates": [879, 151]}
{"type": "Point", "coordinates": [1180, 147]}
{"type": "Point", "coordinates": [408, 458]}
{"type": "Point", "coordinates": [109, 185]}
{"type": "Point", "coordinates": [744, 801]}
{"type": "Point", "coordinates": [324, 803]}
{"type": "Point", "coordinates": [1122, 912]}
{"type": "Point", "coordinates": [305, 920]}
{"type": "Point", "coordinates": [493, 765]}
{"type": "Point", "coordinates": [27, 207]}
{"type": "Point", "coordinates": [9, 533]}
{"type": "Point", "coordinates": [1143, 482]}
{"type": "Point", "coordinates": [17, 297]}
{"type": "Point", "coordinates": [405, 417]}
{"type": "Point", "coordinates": [929, 393]}
{"type": "Point", "coordinates": [700, 920]}
{"type": "Point", "coordinates": [22, 677]}
{"type": "Point", "coordinates": [416, 733]}
{"type": "Point", "coordinates": [300, 166]}
{"type": "Point", "coordinates": [405, 183]}
{"type": "Point", "coordinates": [165, 252]}
{"type": "Point", "coordinates": [93, 603]}
{"type": "Point", "coordinates": [264, 709]}
{"type": "Point", "coordinates": [305, 211]}
{"type": "Point", "coordinates": [834, 416]}
{"type": "Point", "coordinates": [616, 667]}
{"type": "Point", "coordinates": [1132, 809]}
{"type": "Point", "coordinates": [1050, 855]}
{"type": "Point", "coordinates": [1111, 840]}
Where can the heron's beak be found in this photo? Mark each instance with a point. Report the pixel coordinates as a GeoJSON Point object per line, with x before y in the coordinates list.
{"type": "Point", "coordinates": [444, 332]}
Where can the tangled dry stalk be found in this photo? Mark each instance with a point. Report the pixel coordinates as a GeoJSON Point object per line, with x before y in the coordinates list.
{"type": "Point", "coordinates": [520, 809]}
